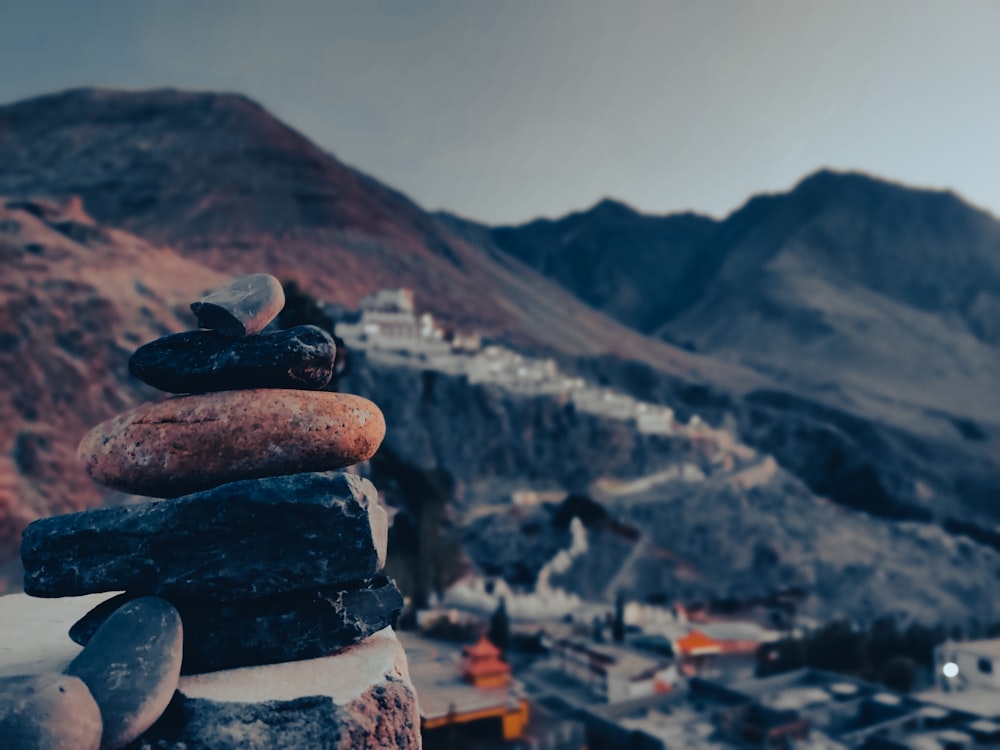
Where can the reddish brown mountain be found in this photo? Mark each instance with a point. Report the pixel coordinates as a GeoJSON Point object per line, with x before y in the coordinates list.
{"type": "Point", "coordinates": [223, 182]}
{"type": "Point", "coordinates": [75, 300]}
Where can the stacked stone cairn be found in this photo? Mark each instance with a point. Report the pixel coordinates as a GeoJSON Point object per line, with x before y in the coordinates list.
{"type": "Point", "coordinates": [256, 551]}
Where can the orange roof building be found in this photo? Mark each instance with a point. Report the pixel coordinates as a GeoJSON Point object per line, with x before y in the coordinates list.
{"type": "Point", "coordinates": [697, 643]}
{"type": "Point", "coordinates": [482, 665]}
{"type": "Point", "coordinates": [446, 696]}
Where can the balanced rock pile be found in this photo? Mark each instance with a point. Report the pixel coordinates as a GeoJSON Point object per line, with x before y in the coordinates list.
{"type": "Point", "coordinates": [261, 553]}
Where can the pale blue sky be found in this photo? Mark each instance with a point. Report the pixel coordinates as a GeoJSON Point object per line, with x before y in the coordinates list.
{"type": "Point", "coordinates": [503, 111]}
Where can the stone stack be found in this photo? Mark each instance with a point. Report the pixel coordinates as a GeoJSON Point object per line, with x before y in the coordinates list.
{"type": "Point", "coordinates": [266, 552]}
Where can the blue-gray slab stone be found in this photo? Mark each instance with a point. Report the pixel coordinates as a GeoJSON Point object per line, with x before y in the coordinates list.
{"type": "Point", "coordinates": [246, 539]}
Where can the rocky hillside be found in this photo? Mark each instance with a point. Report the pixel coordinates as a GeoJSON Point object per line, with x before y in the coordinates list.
{"type": "Point", "coordinates": [234, 189]}
{"type": "Point", "coordinates": [870, 303]}
{"type": "Point", "coordinates": [692, 516]}
{"type": "Point", "coordinates": [75, 299]}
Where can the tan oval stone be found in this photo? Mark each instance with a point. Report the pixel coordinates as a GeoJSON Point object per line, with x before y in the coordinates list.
{"type": "Point", "coordinates": [51, 711]}
{"type": "Point", "coordinates": [193, 443]}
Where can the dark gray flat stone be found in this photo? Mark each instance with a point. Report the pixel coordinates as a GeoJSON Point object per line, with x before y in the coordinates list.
{"type": "Point", "coordinates": [203, 361]}
{"type": "Point", "coordinates": [243, 306]}
{"type": "Point", "coordinates": [240, 540]}
{"type": "Point", "coordinates": [50, 711]}
{"type": "Point", "coordinates": [132, 665]}
{"type": "Point", "coordinates": [269, 630]}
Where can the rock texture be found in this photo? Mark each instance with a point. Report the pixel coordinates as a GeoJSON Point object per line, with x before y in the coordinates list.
{"type": "Point", "coordinates": [192, 443]}
{"type": "Point", "coordinates": [274, 562]}
{"type": "Point", "coordinates": [242, 307]}
{"type": "Point", "coordinates": [244, 539]}
{"type": "Point", "coordinates": [269, 630]}
{"type": "Point", "coordinates": [360, 698]}
{"type": "Point", "coordinates": [48, 711]}
{"type": "Point", "coordinates": [381, 718]}
{"type": "Point", "coordinates": [131, 666]}
{"type": "Point", "coordinates": [200, 361]}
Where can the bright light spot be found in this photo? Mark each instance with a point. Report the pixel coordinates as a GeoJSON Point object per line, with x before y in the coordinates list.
{"type": "Point", "coordinates": [950, 670]}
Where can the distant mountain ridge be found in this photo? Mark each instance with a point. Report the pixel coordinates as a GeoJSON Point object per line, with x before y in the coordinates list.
{"type": "Point", "coordinates": [638, 269]}
{"type": "Point", "coordinates": [928, 249]}
{"type": "Point", "coordinates": [845, 282]}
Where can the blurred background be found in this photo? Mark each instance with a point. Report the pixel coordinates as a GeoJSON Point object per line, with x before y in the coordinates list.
{"type": "Point", "coordinates": [692, 307]}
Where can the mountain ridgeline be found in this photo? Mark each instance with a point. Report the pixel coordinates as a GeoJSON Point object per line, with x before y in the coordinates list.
{"type": "Point", "coordinates": [925, 249]}
{"type": "Point", "coordinates": [847, 327]}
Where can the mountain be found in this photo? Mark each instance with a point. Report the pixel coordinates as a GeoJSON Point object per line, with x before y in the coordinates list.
{"type": "Point", "coordinates": [886, 292]}
{"type": "Point", "coordinates": [874, 305]}
{"type": "Point", "coordinates": [219, 179]}
{"type": "Point", "coordinates": [846, 282]}
{"type": "Point", "coordinates": [149, 198]}
{"type": "Point", "coordinates": [638, 269]}
{"type": "Point", "coordinates": [230, 189]}
{"type": "Point", "coordinates": [75, 299]}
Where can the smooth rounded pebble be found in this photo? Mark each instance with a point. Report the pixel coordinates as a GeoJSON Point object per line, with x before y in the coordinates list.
{"type": "Point", "coordinates": [243, 306]}
{"type": "Point", "coordinates": [132, 665]}
{"type": "Point", "coordinates": [194, 443]}
{"type": "Point", "coordinates": [48, 712]}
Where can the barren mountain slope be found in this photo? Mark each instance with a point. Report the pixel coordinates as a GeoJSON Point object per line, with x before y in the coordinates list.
{"type": "Point", "coordinates": [75, 300]}
{"type": "Point", "coordinates": [222, 181]}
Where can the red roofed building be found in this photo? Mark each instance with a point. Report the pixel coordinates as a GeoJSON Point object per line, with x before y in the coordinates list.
{"type": "Point", "coordinates": [482, 665]}
{"type": "Point", "coordinates": [696, 643]}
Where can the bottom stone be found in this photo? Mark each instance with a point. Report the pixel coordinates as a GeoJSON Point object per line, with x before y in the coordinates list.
{"type": "Point", "coordinates": [270, 630]}
{"type": "Point", "coordinates": [360, 699]}
{"type": "Point", "coordinates": [382, 717]}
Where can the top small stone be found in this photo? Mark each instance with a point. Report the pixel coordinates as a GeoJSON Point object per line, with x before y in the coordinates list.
{"type": "Point", "coordinates": [243, 306]}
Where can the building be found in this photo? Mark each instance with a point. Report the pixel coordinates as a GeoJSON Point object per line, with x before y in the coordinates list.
{"type": "Point", "coordinates": [388, 321]}
{"type": "Point", "coordinates": [807, 709]}
{"type": "Point", "coordinates": [679, 719]}
{"type": "Point", "coordinates": [968, 665]}
{"type": "Point", "coordinates": [967, 677]}
{"type": "Point", "coordinates": [471, 690]}
{"type": "Point", "coordinates": [611, 672]}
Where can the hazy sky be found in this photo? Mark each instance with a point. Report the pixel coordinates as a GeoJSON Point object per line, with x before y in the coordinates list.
{"type": "Point", "coordinates": [503, 111]}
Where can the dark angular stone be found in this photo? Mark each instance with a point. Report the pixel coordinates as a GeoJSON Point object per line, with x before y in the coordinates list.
{"type": "Point", "coordinates": [243, 306]}
{"type": "Point", "coordinates": [203, 361]}
{"type": "Point", "coordinates": [132, 665]}
{"type": "Point", "coordinates": [252, 538]}
{"type": "Point", "coordinates": [51, 711]}
{"type": "Point", "coordinates": [268, 630]}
